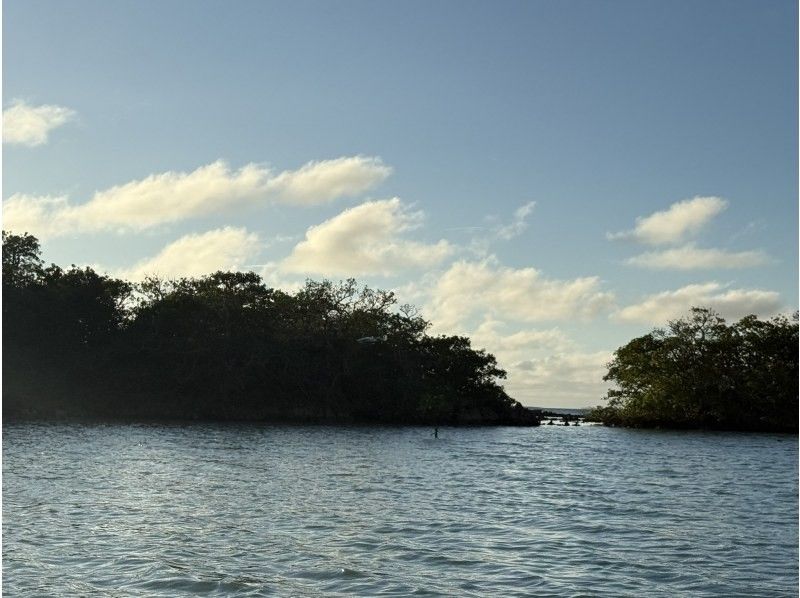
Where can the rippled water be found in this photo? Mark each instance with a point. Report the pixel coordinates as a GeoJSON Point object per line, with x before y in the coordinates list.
{"type": "Point", "coordinates": [115, 510]}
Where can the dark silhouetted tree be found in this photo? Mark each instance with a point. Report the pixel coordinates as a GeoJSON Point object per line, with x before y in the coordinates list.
{"type": "Point", "coordinates": [224, 346]}
{"type": "Point", "coordinates": [699, 371]}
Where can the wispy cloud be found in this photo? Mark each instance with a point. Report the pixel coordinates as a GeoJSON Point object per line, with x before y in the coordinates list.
{"type": "Point", "coordinates": [367, 239]}
{"type": "Point", "coordinates": [516, 227]}
{"type": "Point", "coordinates": [480, 245]}
{"type": "Point", "coordinates": [733, 304]}
{"type": "Point", "coordinates": [690, 257]}
{"type": "Point", "coordinates": [749, 229]}
{"type": "Point", "coordinates": [198, 254]}
{"type": "Point", "coordinates": [673, 225]}
{"type": "Point", "coordinates": [24, 124]}
{"type": "Point", "coordinates": [174, 196]}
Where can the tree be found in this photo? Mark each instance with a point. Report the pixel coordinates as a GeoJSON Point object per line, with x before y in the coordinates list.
{"type": "Point", "coordinates": [224, 346]}
{"type": "Point", "coordinates": [22, 264]}
{"type": "Point", "coordinates": [700, 371]}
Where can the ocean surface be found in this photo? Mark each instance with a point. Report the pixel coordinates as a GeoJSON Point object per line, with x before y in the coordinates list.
{"type": "Point", "coordinates": [249, 510]}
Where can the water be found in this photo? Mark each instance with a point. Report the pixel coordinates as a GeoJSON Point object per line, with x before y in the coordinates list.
{"type": "Point", "coordinates": [115, 510]}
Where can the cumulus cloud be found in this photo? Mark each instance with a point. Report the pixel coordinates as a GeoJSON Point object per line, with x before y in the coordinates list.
{"type": "Point", "coordinates": [690, 257]}
{"type": "Point", "coordinates": [323, 181]}
{"type": "Point", "coordinates": [513, 347]}
{"type": "Point", "coordinates": [198, 254]}
{"type": "Point", "coordinates": [24, 124]}
{"type": "Point", "coordinates": [732, 304]}
{"type": "Point", "coordinates": [573, 379]}
{"type": "Point", "coordinates": [33, 214]}
{"type": "Point", "coordinates": [275, 278]}
{"type": "Point", "coordinates": [138, 205]}
{"type": "Point", "coordinates": [545, 367]}
{"type": "Point", "coordinates": [523, 294]}
{"type": "Point", "coordinates": [173, 196]}
{"type": "Point", "coordinates": [587, 368]}
{"type": "Point", "coordinates": [673, 225]}
{"type": "Point", "coordinates": [366, 239]}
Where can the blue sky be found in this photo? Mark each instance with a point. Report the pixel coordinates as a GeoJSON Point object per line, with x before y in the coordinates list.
{"type": "Point", "coordinates": [487, 160]}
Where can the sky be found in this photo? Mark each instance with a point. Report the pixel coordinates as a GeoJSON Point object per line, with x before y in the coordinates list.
{"type": "Point", "coordinates": [550, 178]}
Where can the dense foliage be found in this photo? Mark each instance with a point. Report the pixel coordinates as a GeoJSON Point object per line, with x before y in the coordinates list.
{"type": "Point", "coordinates": [702, 372]}
{"type": "Point", "coordinates": [224, 346]}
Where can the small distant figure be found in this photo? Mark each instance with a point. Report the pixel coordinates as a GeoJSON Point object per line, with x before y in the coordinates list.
{"type": "Point", "coordinates": [436, 432]}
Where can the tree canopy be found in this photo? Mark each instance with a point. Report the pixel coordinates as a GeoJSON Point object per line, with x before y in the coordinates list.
{"type": "Point", "coordinates": [225, 346]}
{"type": "Point", "coordinates": [702, 372]}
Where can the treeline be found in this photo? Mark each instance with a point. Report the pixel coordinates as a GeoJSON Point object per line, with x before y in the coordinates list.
{"type": "Point", "coordinates": [77, 344]}
{"type": "Point", "coordinates": [700, 372]}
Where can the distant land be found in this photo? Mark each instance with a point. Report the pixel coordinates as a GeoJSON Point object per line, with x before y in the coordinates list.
{"type": "Point", "coordinates": [563, 410]}
{"type": "Point", "coordinates": [224, 347]}
{"type": "Point", "coordinates": [701, 372]}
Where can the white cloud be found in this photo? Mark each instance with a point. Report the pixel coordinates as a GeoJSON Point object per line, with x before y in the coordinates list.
{"type": "Point", "coordinates": [319, 182]}
{"type": "Point", "coordinates": [732, 304]}
{"type": "Point", "coordinates": [198, 254]}
{"type": "Point", "coordinates": [173, 196]}
{"type": "Point", "coordinates": [517, 346]}
{"type": "Point", "coordinates": [690, 257]}
{"type": "Point", "coordinates": [683, 218]}
{"type": "Point", "coordinates": [33, 214]}
{"type": "Point", "coordinates": [275, 278]}
{"type": "Point", "coordinates": [363, 240]}
{"type": "Point", "coordinates": [524, 294]}
{"type": "Point", "coordinates": [573, 379]}
{"type": "Point", "coordinates": [30, 125]}
{"type": "Point", "coordinates": [519, 224]}
{"type": "Point", "coordinates": [138, 205]}
{"type": "Point", "coordinates": [545, 367]}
